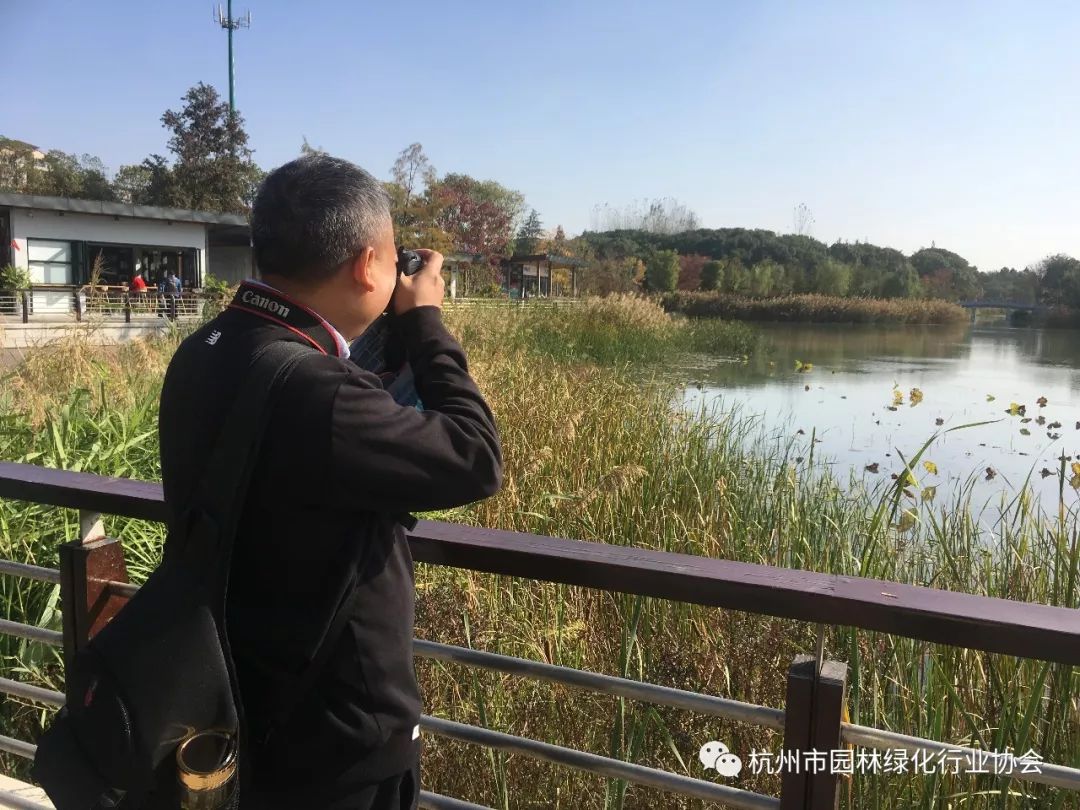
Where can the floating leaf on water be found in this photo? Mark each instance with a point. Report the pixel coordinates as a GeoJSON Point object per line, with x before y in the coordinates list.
{"type": "Point", "coordinates": [939, 421]}
{"type": "Point", "coordinates": [1015, 409]}
{"type": "Point", "coordinates": [990, 473]}
{"type": "Point", "coordinates": [1041, 401]}
{"type": "Point", "coordinates": [928, 493]}
{"type": "Point", "coordinates": [1074, 482]}
{"type": "Point", "coordinates": [916, 396]}
{"type": "Point", "coordinates": [1045, 473]}
{"type": "Point", "coordinates": [1075, 467]}
{"type": "Point", "coordinates": [1078, 425]}
{"type": "Point", "coordinates": [1041, 420]}
{"type": "Point", "coordinates": [897, 396]}
{"type": "Point", "coordinates": [842, 396]}
{"type": "Point", "coordinates": [1025, 432]}
{"type": "Point", "coordinates": [990, 397]}
{"type": "Point", "coordinates": [931, 467]}
{"type": "Point", "coordinates": [1053, 436]}
{"type": "Point", "coordinates": [1025, 420]}
{"type": "Point", "coordinates": [801, 432]}
{"type": "Point", "coordinates": [873, 468]}
{"type": "Point", "coordinates": [909, 494]}
{"type": "Point", "coordinates": [1054, 425]}
{"type": "Point", "coordinates": [806, 387]}
{"type": "Point", "coordinates": [891, 407]}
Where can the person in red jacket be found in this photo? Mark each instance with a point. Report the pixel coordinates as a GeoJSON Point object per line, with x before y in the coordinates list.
{"type": "Point", "coordinates": [138, 284]}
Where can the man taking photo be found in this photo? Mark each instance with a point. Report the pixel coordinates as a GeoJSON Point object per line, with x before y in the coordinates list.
{"type": "Point", "coordinates": [340, 464]}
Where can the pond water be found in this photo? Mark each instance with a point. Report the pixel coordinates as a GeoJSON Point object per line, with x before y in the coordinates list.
{"type": "Point", "coordinates": [848, 401]}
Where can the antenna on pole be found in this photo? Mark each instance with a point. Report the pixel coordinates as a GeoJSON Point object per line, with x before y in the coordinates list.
{"type": "Point", "coordinates": [224, 18]}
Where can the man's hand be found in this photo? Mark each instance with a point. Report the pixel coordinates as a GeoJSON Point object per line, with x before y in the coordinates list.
{"type": "Point", "coordinates": [423, 289]}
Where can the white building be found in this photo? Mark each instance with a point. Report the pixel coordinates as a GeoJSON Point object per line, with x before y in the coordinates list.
{"type": "Point", "coordinates": [58, 240]}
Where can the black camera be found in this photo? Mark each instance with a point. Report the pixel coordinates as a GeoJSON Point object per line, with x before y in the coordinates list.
{"type": "Point", "coordinates": [408, 262]}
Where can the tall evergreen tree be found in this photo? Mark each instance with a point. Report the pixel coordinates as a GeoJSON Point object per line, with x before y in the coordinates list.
{"type": "Point", "coordinates": [529, 234]}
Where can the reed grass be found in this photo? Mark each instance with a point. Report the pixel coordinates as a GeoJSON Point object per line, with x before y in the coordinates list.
{"type": "Point", "coordinates": [815, 308]}
{"type": "Point", "coordinates": [598, 452]}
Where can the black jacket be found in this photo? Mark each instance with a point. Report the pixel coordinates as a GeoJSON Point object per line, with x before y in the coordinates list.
{"type": "Point", "coordinates": [339, 460]}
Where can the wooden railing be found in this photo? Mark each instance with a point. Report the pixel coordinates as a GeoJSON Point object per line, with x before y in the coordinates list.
{"type": "Point", "coordinates": [94, 586]}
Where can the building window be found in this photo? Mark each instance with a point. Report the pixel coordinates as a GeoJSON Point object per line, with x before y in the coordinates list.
{"type": "Point", "coordinates": [50, 262]}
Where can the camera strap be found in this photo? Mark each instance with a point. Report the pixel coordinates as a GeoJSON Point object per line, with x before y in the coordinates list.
{"type": "Point", "coordinates": [275, 306]}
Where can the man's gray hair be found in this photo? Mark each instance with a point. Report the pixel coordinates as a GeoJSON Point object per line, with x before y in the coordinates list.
{"type": "Point", "coordinates": [315, 213]}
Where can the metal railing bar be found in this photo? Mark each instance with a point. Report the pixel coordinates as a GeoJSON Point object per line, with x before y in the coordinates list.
{"type": "Point", "coordinates": [436, 801]}
{"type": "Point", "coordinates": [19, 803]}
{"type": "Point", "coordinates": [20, 748]}
{"type": "Point", "coordinates": [30, 692]}
{"type": "Point", "coordinates": [18, 569]}
{"type": "Point", "coordinates": [603, 766]}
{"type": "Point", "coordinates": [1057, 776]}
{"type": "Point", "coordinates": [10, 628]}
{"type": "Point", "coordinates": [607, 684]}
{"type": "Point", "coordinates": [115, 588]}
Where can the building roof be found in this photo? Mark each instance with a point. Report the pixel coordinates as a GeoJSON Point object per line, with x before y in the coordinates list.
{"type": "Point", "coordinates": [116, 209]}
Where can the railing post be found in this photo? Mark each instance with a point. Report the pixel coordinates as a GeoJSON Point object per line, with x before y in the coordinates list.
{"type": "Point", "coordinates": [813, 714]}
{"type": "Point", "coordinates": [127, 307]}
{"type": "Point", "coordinates": [78, 304]}
{"type": "Point", "coordinates": [798, 715]}
{"type": "Point", "coordinates": [86, 565]}
{"type": "Point", "coordinates": [25, 307]}
{"type": "Point", "coordinates": [830, 696]}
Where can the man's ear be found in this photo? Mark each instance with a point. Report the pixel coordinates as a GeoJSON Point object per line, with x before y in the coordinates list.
{"type": "Point", "coordinates": [363, 270]}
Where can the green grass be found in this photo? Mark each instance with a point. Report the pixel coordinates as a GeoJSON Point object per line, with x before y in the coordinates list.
{"type": "Point", "coordinates": [594, 450]}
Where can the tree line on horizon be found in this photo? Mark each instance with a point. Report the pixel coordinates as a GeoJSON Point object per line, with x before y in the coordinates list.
{"type": "Point", "coordinates": [653, 246]}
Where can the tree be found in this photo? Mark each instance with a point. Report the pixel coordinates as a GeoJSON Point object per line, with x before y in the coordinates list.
{"type": "Point", "coordinates": [803, 219]}
{"type": "Point", "coordinates": [307, 149]}
{"type": "Point", "coordinates": [528, 235]}
{"type": "Point", "coordinates": [712, 275]}
{"type": "Point", "coordinates": [764, 276]}
{"type": "Point", "coordinates": [661, 216]}
{"type": "Point", "coordinates": [413, 172]}
{"type": "Point", "coordinates": [213, 168]}
{"type": "Point", "coordinates": [690, 268]}
{"type": "Point", "coordinates": [662, 271]}
{"type": "Point", "coordinates": [1059, 278]}
{"type": "Point", "coordinates": [832, 278]}
{"type": "Point", "coordinates": [414, 203]}
{"type": "Point", "coordinates": [17, 165]}
{"type": "Point", "coordinates": [478, 215]}
{"type": "Point", "coordinates": [945, 274]}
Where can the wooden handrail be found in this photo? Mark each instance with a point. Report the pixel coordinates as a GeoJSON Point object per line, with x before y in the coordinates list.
{"type": "Point", "coordinates": [964, 620]}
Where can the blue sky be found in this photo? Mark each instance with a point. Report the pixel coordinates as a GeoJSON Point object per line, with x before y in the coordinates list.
{"type": "Point", "coordinates": [900, 123]}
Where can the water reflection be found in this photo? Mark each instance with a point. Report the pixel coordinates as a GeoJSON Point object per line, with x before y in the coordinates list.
{"type": "Point", "coordinates": [965, 374]}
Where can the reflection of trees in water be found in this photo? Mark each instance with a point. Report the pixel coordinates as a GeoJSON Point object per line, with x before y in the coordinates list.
{"type": "Point", "coordinates": [827, 343]}
{"type": "Point", "coordinates": [832, 346]}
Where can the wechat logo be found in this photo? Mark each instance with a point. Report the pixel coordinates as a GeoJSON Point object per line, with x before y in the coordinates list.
{"type": "Point", "coordinates": [715, 755]}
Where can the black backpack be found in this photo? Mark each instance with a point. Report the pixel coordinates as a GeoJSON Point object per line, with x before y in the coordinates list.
{"type": "Point", "coordinates": [162, 668]}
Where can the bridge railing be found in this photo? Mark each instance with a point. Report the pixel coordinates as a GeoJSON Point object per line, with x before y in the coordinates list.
{"type": "Point", "coordinates": [93, 581]}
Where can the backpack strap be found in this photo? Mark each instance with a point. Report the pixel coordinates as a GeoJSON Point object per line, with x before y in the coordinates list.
{"type": "Point", "coordinates": [222, 491]}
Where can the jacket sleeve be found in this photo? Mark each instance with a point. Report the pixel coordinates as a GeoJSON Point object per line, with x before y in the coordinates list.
{"type": "Point", "coordinates": [387, 457]}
